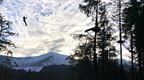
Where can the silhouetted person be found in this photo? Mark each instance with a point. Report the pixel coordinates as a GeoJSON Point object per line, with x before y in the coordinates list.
{"type": "Point", "coordinates": [24, 20]}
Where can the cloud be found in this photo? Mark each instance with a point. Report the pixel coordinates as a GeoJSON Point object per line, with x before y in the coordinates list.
{"type": "Point", "coordinates": [50, 25]}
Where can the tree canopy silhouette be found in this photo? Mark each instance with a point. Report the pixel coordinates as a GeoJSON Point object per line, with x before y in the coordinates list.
{"type": "Point", "coordinates": [5, 33]}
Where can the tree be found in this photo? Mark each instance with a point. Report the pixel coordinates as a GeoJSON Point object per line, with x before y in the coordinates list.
{"type": "Point", "coordinates": [102, 40]}
{"type": "Point", "coordinates": [5, 33]}
{"type": "Point", "coordinates": [82, 59]}
{"type": "Point", "coordinates": [133, 27]}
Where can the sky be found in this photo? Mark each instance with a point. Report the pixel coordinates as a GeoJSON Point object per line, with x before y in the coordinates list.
{"type": "Point", "coordinates": [51, 25]}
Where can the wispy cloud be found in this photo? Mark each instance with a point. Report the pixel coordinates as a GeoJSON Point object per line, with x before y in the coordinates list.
{"type": "Point", "coordinates": [50, 25]}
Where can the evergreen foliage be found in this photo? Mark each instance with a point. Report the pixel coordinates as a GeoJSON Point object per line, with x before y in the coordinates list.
{"type": "Point", "coordinates": [5, 32]}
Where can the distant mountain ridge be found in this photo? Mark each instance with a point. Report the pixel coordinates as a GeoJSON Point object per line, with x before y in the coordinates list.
{"type": "Point", "coordinates": [33, 63]}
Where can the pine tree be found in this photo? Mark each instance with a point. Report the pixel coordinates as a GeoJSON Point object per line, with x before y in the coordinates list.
{"type": "Point", "coordinates": [82, 57]}
{"type": "Point", "coordinates": [91, 9]}
{"type": "Point", "coordinates": [133, 27]}
{"type": "Point", "coordinates": [101, 40]}
{"type": "Point", "coordinates": [5, 33]}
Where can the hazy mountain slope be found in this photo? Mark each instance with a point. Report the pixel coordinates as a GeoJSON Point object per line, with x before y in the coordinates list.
{"type": "Point", "coordinates": [33, 63]}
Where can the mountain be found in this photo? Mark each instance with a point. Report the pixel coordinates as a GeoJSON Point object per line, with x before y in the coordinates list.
{"type": "Point", "coordinates": [33, 63]}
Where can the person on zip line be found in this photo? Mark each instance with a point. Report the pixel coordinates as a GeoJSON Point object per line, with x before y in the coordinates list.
{"type": "Point", "coordinates": [24, 20]}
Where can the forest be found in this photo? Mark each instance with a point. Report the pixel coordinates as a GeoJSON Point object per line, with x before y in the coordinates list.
{"type": "Point", "coordinates": [96, 57]}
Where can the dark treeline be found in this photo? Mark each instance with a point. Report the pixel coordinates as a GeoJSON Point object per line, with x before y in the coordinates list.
{"type": "Point", "coordinates": [54, 72]}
